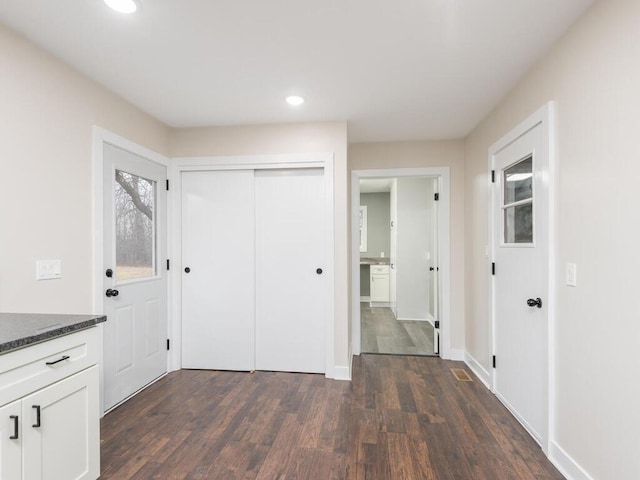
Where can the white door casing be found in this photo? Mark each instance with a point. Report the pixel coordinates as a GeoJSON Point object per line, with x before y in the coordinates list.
{"type": "Point", "coordinates": [291, 270]}
{"type": "Point", "coordinates": [135, 333]}
{"type": "Point", "coordinates": [521, 230]}
{"type": "Point", "coordinates": [218, 326]}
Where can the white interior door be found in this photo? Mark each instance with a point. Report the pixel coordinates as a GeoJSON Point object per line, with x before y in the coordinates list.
{"type": "Point", "coordinates": [135, 279]}
{"type": "Point", "coordinates": [218, 270]}
{"type": "Point", "coordinates": [521, 250]}
{"type": "Point", "coordinates": [435, 269]}
{"type": "Point", "coordinates": [393, 256]}
{"type": "Point", "coordinates": [291, 270]}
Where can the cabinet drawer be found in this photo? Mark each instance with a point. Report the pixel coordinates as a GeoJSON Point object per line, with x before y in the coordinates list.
{"type": "Point", "coordinates": [31, 368]}
{"type": "Point", "coordinates": [379, 269]}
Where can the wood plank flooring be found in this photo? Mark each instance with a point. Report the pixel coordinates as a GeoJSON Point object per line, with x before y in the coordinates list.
{"type": "Point", "coordinates": [401, 418]}
{"type": "Point", "coordinates": [382, 333]}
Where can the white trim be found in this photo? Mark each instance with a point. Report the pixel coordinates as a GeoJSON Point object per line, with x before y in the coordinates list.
{"type": "Point", "coordinates": [100, 137]}
{"type": "Point", "coordinates": [456, 354]}
{"type": "Point", "coordinates": [478, 370]}
{"type": "Point", "coordinates": [545, 116]}
{"type": "Point", "coordinates": [257, 162]}
{"type": "Point", "coordinates": [567, 465]}
{"type": "Point", "coordinates": [366, 299]}
{"type": "Point", "coordinates": [446, 352]}
{"type": "Point", "coordinates": [426, 320]}
{"type": "Point", "coordinates": [341, 372]}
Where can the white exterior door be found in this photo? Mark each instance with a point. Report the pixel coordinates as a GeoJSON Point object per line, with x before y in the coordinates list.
{"type": "Point", "coordinates": [521, 278]}
{"type": "Point", "coordinates": [135, 279]}
{"type": "Point", "coordinates": [218, 270]}
{"type": "Point", "coordinates": [291, 271]}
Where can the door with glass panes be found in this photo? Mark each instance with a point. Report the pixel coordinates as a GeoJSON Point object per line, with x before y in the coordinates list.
{"type": "Point", "coordinates": [134, 277]}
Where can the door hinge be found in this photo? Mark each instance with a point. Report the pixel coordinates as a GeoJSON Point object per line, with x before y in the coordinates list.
{"type": "Point", "coordinates": [493, 176]}
{"type": "Point", "coordinates": [167, 184]}
{"type": "Point", "coordinates": [493, 269]}
{"type": "Point", "coordinates": [168, 264]}
{"type": "Point", "coordinates": [436, 196]}
{"type": "Point", "coordinates": [168, 344]}
{"type": "Point", "coordinates": [437, 324]}
{"type": "Point", "coordinates": [494, 361]}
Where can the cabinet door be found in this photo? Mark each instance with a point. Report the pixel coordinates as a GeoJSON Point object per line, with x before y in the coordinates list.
{"type": "Point", "coordinates": [11, 441]}
{"type": "Point", "coordinates": [379, 288]}
{"type": "Point", "coordinates": [63, 441]}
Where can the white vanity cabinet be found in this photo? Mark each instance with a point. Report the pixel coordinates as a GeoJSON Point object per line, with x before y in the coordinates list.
{"type": "Point", "coordinates": [49, 409]}
{"type": "Point", "coordinates": [379, 283]}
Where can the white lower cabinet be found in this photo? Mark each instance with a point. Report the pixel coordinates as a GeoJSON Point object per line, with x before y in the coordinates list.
{"type": "Point", "coordinates": [51, 431]}
{"type": "Point", "coordinates": [10, 441]}
{"type": "Point", "coordinates": [379, 283]}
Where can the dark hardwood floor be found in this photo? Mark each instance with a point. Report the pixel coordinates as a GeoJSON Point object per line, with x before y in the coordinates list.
{"type": "Point", "coordinates": [401, 418]}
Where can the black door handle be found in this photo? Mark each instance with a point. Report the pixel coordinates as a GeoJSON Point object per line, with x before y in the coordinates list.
{"type": "Point", "coordinates": [187, 270]}
{"type": "Point", "coordinates": [112, 292]}
{"type": "Point", "coordinates": [15, 427]}
{"type": "Point", "coordinates": [37, 424]}
{"type": "Point", "coordinates": [535, 303]}
{"type": "Point", "coordinates": [109, 273]}
{"type": "Point", "coordinates": [431, 269]}
{"type": "Point", "coordinates": [319, 271]}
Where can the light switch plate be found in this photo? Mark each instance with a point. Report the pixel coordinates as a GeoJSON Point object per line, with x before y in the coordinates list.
{"type": "Point", "coordinates": [48, 269]}
{"type": "Point", "coordinates": [572, 274]}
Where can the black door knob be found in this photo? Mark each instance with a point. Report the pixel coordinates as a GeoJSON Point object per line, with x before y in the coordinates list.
{"type": "Point", "coordinates": [187, 270]}
{"type": "Point", "coordinates": [319, 271]}
{"type": "Point", "coordinates": [109, 273]}
{"type": "Point", "coordinates": [431, 269]}
{"type": "Point", "coordinates": [112, 292]}
{"type": "Point", "coordinates": [535, 303]}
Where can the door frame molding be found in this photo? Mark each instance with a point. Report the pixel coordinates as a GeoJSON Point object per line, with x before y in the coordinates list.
{"type": "Point", "coordinates": [444, 287]}
{"type": "Point", "coordinates": [100, 137]}
{"type": "Point", "coordinates": [546, 118]}
{"type": "Point", "coordinates": [252, 162]}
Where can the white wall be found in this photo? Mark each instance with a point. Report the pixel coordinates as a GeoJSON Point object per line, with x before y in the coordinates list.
{"type": "Point", "coordinates": [366, 156]}
{"type": "Point", "coordinates": [47, 111]}
{"type": "Point", "coordinates": [593, 74]}
{"type": "Point", "coordinates": [414, 239]}
{"type": "Point", "coordinates": [283, 139]}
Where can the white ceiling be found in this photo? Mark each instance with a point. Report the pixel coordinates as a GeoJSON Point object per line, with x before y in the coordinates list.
{"type": "Point", "coordinates": [394, 69]}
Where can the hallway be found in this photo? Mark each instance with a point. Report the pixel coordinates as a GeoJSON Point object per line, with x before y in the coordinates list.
{"type": "Point", "coordinates": [382, 333]}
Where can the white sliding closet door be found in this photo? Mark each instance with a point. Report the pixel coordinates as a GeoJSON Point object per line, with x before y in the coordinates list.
{"type": "Point", "coordinates": [218, 270]}
{"type": "Point", "coordinates": [290, 277]}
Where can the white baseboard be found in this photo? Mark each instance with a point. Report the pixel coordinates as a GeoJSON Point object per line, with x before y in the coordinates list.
{"type": "Point", "coordinates": [567, 465]}
{"type": "Point", "coordinates": [456, 354]}
{"type": "Point", "coordinates": [413, 319]}
{"type": "Point", "coordinates": [365, 299]}
{"type": "Point", "coordinates": [341, 373]}
{"type": "Point", "coordinates": [479, 371]}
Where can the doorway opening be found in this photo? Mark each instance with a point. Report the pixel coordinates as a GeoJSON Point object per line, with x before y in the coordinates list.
{"type": "Point", "coordinates": [400, 261]}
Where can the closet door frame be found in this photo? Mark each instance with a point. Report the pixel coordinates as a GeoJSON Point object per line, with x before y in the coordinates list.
{"type": "Point", "coordinates": [251, 162]}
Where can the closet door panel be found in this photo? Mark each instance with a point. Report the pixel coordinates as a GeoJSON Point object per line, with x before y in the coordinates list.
{"type": "Point", "coordinates": [218, 328]}
{"type": "Point", "coordinates": [290, 288]}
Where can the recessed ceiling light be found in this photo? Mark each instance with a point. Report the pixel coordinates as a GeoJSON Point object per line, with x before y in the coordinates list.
{"type": "Point", "coordinates": [295, 100]}
{"type": "Point", "coordinates": [122, 6]}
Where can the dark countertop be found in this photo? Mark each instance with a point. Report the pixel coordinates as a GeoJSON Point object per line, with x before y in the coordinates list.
{"type": "Point", "coordinates": [374, 261]}
{"type": "Point", "coordinates": [18, 330]}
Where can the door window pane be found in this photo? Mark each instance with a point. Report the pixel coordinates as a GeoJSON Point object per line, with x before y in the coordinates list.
{"type": "Point", "coordinates": [518, 181]}
{"type": "Point", "coordinates": [518, 224]}
{"type": "Point", "coordinates": [134, 226]}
